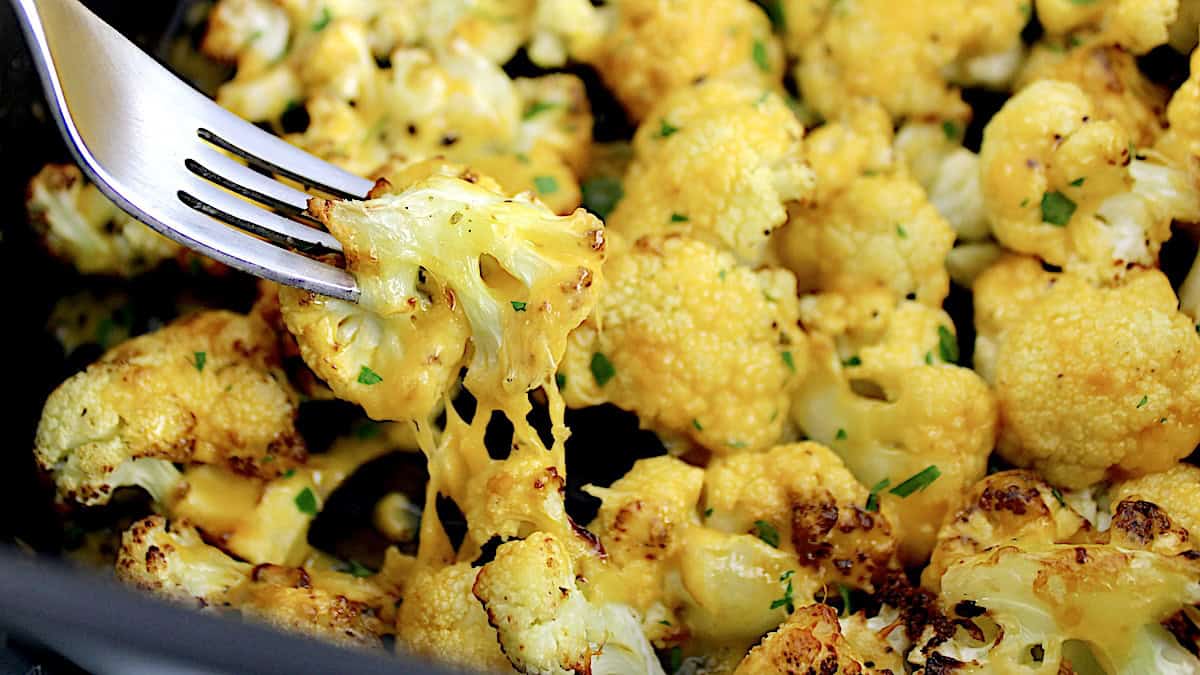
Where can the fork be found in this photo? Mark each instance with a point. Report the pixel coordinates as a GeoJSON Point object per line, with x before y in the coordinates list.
{"type": "Point", "coordinates": [165, 154]}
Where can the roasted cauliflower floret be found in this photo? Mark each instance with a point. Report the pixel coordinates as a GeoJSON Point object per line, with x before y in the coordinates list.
{"type": "Point", "coordinates": [79, 225]}
{"type": "Point", "coordinates": [441, 619]}
{"type": "Point", "coordinates": [660, 46]}
{"type": "Point", "coordinates": [810, 500]}
{"type": "Point", "coordinates": [949, 173]}
{"type": "Point", "coordinates": [1181, 143]}
{"type": "Point", "coordinates": [868, 222]}
{"type": "Point", "coordinates": [901, 53]}
{"type": "Point", "coordinates": [206, 389]}
{"type": "Point", "coordinates": [446, 262]}
{"type": "Point", "coordinates": [884, 394]}
{"type": "Point", "coordinates": [718, 162]}
{"type": "Point", "coordinates": [1091, 383]}
{"type": "Point", "coordinates": [811, 640]}
{"type": "Point", "coordinates": [1135, 25]}
{"type": "Point", "coordinates": [1060, 182]}
{"type": "Point", "coordinates": [170, 560]}
{"type": "Point", "coordinates": [699, 347]}
{"type": "Point", "coordinates": [1174, 491]}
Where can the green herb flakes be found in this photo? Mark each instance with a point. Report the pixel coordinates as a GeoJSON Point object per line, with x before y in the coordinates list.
{"type": "Point", "coordinates": [306, 502]}
{"type": "Point", "coordinates": [538, 107]}
{"type": "Point", "coordinates": [767, 532]}
{"type": "Point", "coordinates": [545, 185]}
{"type": "Point", "coordinates": [322, 21]}
{"type": "Point", "coordinates": [947, 345]}
{"type": "Point", "coordinates": [368, 377]}
{"type": "Point", "coordinates": [200, 358]}
{"type": "Point", "coordinates": [759, 52]}
{"type": "Point", "coordinates": [1057, 208]}
{"type": "Point", "coordinates": [788, 361]}
{"type": "Point", "coordinates": [919, 481]}
{"type": "Point", "coordinates": [951, 130]}
{"type": "Point", "coordinates": [602, 369]}
{"type": "Point", "coordinates": [519, 306]}
{"type": "Point", "coordinates": [840, 435]}
{"type": "Point", "coordinates": [678, 218]}
{"type": "Point", "coordinates": [666, 129]}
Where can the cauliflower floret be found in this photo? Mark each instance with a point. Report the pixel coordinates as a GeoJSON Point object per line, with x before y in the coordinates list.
{"type": "Point", "coordinates": [1110, 78]}
{"type": "Point", "coordinates": [1060, 182]}
{"type": "Point", "coordinates": [884, 394]}
{"type": "Point", "coordinates": [948, 172]}
{"type": "Point", "coordinates": [660, 46]}
{"type": "Point", "coordinates": [206, 389]}
{"type": "Point", "coordinates": [811, 502]}
{"type": "Point", "coordinates": [169, 559]}
{"type": "Point", "coordinates": [1181, 143]}
{"type": "Point", "coordinates": [811, 640]}
{"type": "Point", "coordinates": [698, 346]}
{"type": "Point", "coordinates": [441, 619]}
{"type": "Point", "coordinates": [869, 222]}
{"type": "Point", "coordinates": [901, 53]}
{"type": "Point", "coordinates": [1011, 507]}
{"type": "Point", "coordinates": [1174, 491]}
{"type": "Point", "coordinates": [718, 162]}
{"type": "Point", "coordinates": [1090, 382]}
{"type": "Point", "coordinates": [81, 226]}
{"type": "Point", "coordinates": [474, 268]}
{"type": "Point", "coordinates": [1038, 610]}
{"type": "Point", "coordinates": [1135, 25]}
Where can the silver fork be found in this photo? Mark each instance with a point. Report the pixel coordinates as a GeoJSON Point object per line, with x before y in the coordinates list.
{"type": "Point", "coordinates": [154, 146]}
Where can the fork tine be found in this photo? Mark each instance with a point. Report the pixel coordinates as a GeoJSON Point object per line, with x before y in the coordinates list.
{"type": "Point", "coordinates": [281, 158]}
{"type": "Point", "coordinates": [234, 176]}
{"type": "Point", "coordinates": [212, 201]}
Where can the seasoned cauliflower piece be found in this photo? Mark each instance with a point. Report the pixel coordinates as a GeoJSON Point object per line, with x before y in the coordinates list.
{"type": "Point", "coordinates": [1007, 508]}
{"type": "Point", "coordinates": [1135, 25]}
{"type": "Point", "coordinates": [949, 173]}
{"type": "Point", "coordinates": [1003, 293]}
{"type": "Point", "coordinates": [1110, 78]}
{"type": "Point", "coordinates": [446, 262]}
{"type": "Point", "coordinates": [1091, 383]}
{"type": "Point", "coordinates": [699, 347]}
{"type": "Point", "coordinates": [169, 559]}
{"type": "Point", "coordinates": [1174, 491]}
{"type": "Point", "coordinates": [718, 162]}
{"type": "Point", "coordinates": [660, 46]}
{"type": "Point", "coordinates": [811, 640]}
{"type": "Point", "coordinates": [1059, 182]}
{"type": "Point", "coordinates": [804, 493]}
{"type": "Point", "coordinates": [868, 222]}
{"type": "Point", "coordinates": [884, 394]}
{"type": "Point", "coordinates": [441, 619]}
{"type": "Point", "coordinates": [79, 225]}
{"type": "Point", "coordinates": [901, 54]}
{"type": "Point", "coordinates": [206, 389]}
{"type": "Point", "coordinates": [1181, 143]}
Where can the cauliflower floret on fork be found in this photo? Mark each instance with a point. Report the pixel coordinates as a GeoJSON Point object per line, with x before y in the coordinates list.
{"type": "Point", "coordinates": [453, 273]}
{"type": "Point", "coordinates": [206, 389]}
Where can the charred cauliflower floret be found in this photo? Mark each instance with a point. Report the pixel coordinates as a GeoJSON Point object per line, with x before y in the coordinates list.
{"type": "Point", "coordinates": [1135, 25]}
{"type": "Point", "coordinates": [1091, 383]}
{"type": "Point", "coordinates": [718, 162]}
{"type": "Point", "coordinates": [79, 225]}
{"type": "Point", "coordinates": [441, 619]}
{"type": "Point", "coordinates": [660, 46]}
{"type": "Point", "coordinates": [206, 389]}
{"type": "Point", "coordinates": [812, 640]}
{"type": "Point", "coordinates": [809, 498]}
{"type": "Point", "coordinates": [1174, 491]}
{"type": "Point", "coordinates": [902, 54]}
{"type": "Point", "coordinates": [172, 561]}
{"type": "Point", "coordinates": [699, 347]}
{"type": "Point", "coordinates": [868, 221]}
{"type": "Point", "coordinates": [884, 394]}
{"type": "Point", "coordinates": [1060, 182]}
{"type": "Point", "coordinates": [447, 263]}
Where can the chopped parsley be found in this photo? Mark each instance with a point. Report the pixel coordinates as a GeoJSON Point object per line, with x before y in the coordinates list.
{"type": "Point", "coordinates": [560, 380]}
{"type": "Point", "coordinates": [929, 358]}
{"type": "Point", "coordinates": [538, 107]}
{"type": "Point", "coordinates": [760, 56]}
{"type": "Point", "coordinates": [840, 435]}
{"type": "Point", "coordinates": [306, 502]}
{"type": "Point", "coordinates": [519, 306]}
{"type": "Point", "coordinates": [664, 622]}
{"type": "Point", "coordinates": [774, 9]}
{"type": "Point", "coordinates": [873, 498]}
{"type": "Point", "coordinates": [289, 473]}
{"type": "Point", "coordinates": [1143, 402]}
{"type": "Point", "coordinates": [675, 658]}
{"type": "Point", "coordinates": [678, 218]}
{"type": "Point", "coordinates": [600, 195]}
{"type": "Point", "coordinates": [722, 274]}
{"type": "Point", "coordinates": [666, 129]}
{"type": "Point", "coordinates": [851, 362]}
{"type": "Point", "coordinates": [357, 569]}
{"type": "Point", "coordinates": [788, 361]}
{"type": "Point", "coordinates": [708, 512]}
{"type": "Point", "coordinates": [546, 185]}
{"type": "Point", "coordinates": [1058, 496]}
{"type": "Point", "coordinates": [1057, 208]}
{"type": "Point", "coordinates": [787, 601]}
{"type": "Point", "coordinates": [1025, 202]}
{"type": "Point", "coordinates": [767, 532]}
{"type": "Point", "coordinates": [901, 232]}
{"type": "Point", "coordinates": [951, 130]}
{"type": "Point", "coordinates": [1077, 182]}
{"type": "Point", "coordinates": [200, 359]}
{"type": "Point", "coordinates": [322, 21]}
{"type": "Point", "coordinates": [844, 591]}
{"type": "Point", "coordinates": [522, 158]}
{"type": "Point", "coordinates": [947, 345]}
{"type": "Point", "coordinates": [696, 424]}
{"type": "Point", "coordinates": [602, 369]}
{"type": "Point", "coordinates": [918, 482]}
{"type": "Point", "coordinates": [368, 377]}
